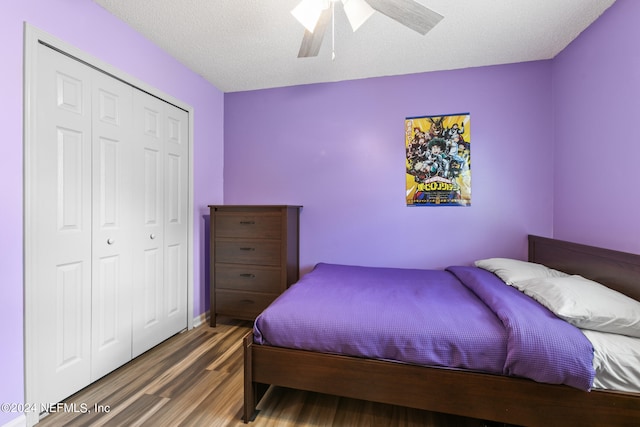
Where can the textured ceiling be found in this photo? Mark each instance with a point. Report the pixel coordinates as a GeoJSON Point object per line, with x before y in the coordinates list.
{"type": "Point", "coordinates": [242, 45]}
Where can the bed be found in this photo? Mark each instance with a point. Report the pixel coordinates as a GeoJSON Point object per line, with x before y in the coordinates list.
{"type": "Point", "coordinates": [456, 391]}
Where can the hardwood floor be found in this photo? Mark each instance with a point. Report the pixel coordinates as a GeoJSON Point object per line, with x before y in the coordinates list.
{"type": "Point", "coordinates": [195, 379]}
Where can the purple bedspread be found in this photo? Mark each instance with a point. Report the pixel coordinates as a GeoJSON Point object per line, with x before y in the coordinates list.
{"type": "Point", "coordinates": [462, 317]}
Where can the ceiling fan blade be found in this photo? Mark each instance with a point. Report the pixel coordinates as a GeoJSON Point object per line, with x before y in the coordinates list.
{"type": "Point", "coordinates": [409, 13]}
{"type": "Point", "coordinates": [311, 41]}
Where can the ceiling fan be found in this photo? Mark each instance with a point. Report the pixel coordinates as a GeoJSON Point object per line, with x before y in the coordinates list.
{"type": "Point", "coordinates": [316, 14]}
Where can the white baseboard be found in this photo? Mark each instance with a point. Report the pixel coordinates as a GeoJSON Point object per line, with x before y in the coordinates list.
{"type": "Point", "coordinates": [202, 319]}
{"type": "Point", "coordinates": [20, 421]}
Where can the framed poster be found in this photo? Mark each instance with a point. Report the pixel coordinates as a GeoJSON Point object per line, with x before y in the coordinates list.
{"type": "Point", "coordinates": [438, 162]}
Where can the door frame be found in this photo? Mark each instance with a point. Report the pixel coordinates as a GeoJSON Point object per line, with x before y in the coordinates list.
{"type": "Point", "coordinates": [32, 38]}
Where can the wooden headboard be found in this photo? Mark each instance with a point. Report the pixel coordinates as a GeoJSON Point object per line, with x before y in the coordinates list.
{"type": "Point", "coordinates": [617, 270]}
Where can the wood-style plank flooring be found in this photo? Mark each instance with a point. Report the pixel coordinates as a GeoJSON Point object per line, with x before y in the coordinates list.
{"type": "Point", "coordinates": [195, 379]}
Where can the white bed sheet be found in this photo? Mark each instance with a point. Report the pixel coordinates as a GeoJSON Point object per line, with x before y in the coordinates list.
{"type": "Point", "coordinates": [616, 361]}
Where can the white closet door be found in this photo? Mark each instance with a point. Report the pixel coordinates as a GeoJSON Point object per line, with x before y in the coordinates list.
{"type": "Point", "coordinates": [160, 275]}
{"type": "Point", "coordinates": [149, 233]}
{"type": "Point", "coordinates": [107, 224]}
{"type": "Point", "coordinates": [61, 241]}
{"type": "Point", "coordinates": [176, 190]}
{"type": "Point", "coordinates": [112, 267]}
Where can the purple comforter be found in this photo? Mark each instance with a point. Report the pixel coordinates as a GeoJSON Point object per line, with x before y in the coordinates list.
{"type": "Point", "coordinates": [462, 317]}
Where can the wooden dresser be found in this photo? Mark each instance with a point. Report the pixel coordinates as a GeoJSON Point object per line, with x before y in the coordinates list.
{"type": "Point", "coordinates": [253, 257]}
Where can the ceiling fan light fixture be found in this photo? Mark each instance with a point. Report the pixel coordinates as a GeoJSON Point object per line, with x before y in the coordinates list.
{"type": "Point", "coordinates": [308, 12]}
{"type": "Point", "coordinates": [316, 15]}
{"type": "Point", "coordinates": [357, 11]}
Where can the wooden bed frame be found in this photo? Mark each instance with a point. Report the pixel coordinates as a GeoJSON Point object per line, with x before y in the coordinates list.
{"type": "Point", "coordinates": [477, 395]}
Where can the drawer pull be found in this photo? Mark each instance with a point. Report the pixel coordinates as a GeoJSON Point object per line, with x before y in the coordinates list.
{"type": "Point", "coordinates": [246, 301]}
{"type": "Point", "coordinates": [247, 249]}
{"type": "Point", "coordinates": [247, 222]}
{"type": "Point", "coordinates": [248, 275]}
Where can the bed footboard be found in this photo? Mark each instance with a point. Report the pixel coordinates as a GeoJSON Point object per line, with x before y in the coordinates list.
{"type": "Point", "coordinates": [253, 391]}
{"type": "Point", "coordinates": [249, 410]}
{"type": "Point", "coordinates": [490, 397]}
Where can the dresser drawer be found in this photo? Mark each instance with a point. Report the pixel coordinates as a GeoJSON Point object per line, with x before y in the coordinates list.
{"type": "Point", "coordinates": [236, 251]}
{"type": "Point", "coordinates": [243, 305]}
{"type": "Point", "coordinates": [248, 225]}
{"type": "Point", "coordinates": [248, 278]}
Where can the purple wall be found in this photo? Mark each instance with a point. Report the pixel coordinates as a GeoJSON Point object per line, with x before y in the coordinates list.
{"type": "Point", "coordinates": [90, 28]}
{"type": "Point", "coordinates": [338, 150]}
{"type": "Point", "coordinates": [596, 87]}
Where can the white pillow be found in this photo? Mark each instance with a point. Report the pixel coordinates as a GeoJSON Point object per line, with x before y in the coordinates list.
{"type": "Point", "coordinates": [513, 270]}
{"type": "Point", "coordinates": [586, 304]}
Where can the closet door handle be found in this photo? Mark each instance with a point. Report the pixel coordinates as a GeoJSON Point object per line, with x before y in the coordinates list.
{"type": "Point", "coordinates": [152, 236]}
{"type": "Point", "coordinates": [110, 241]}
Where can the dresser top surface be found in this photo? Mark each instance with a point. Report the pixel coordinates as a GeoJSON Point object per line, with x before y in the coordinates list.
{"type": "Point", "coordinates": [255, 206]}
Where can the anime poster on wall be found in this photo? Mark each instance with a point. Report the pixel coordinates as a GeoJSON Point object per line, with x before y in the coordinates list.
{"type": "Point", "coordinates": [438, 160]}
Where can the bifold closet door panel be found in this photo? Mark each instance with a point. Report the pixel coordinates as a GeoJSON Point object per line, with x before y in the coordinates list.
{"type": "Point", "coordinates": [112, 248]}
{"type": "Point", "coordinates": [176, 190]}
{"type": "Point", "coordinates": [160, 258]}
{"type": "Point", "coordinates": [149, 223]}
{"type": "Point", "coordinates": [60, 208]}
